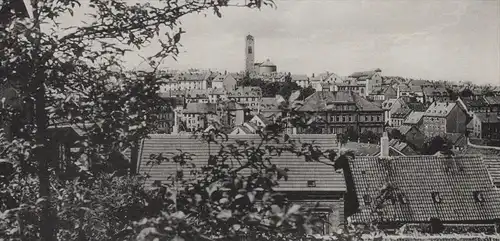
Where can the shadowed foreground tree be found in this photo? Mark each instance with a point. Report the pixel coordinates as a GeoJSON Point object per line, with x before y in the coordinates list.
{"type": "Point", "coordinates": [73, 75]}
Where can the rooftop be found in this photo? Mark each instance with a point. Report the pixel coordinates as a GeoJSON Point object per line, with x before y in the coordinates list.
{"type": "Point", "coordinates": [440, 109]}
{"type": "Point", "coordinates": [200, 108]}
{"type": "Point", "coordinates": [320, 100]}
{"type": "Point", "coordinates": [456, 189]}
{"type": "Point", "coordinates": [488, 117]}
{"type": "Point", "coordinates": [299, 172]}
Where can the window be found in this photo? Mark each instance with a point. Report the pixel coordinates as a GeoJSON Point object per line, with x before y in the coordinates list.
{"type": "Point", "coordinates": [367, 199]}
{"type": "Point", "coordinates": [350, 118]}
{"type": "Point", "coordinates": [311, 183]}
{"type": "Point", "coordinates": [435, 197]}
{"type": "Point", "coordinates": [478, 196]}
{"type": "Point", "coordinates": [343, 118]}
{"type": "Point", "coordinates": [249, 50]}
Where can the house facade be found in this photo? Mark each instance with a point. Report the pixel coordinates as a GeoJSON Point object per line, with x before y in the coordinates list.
{"type": "Point", "coordinates": [486, 126]}
{"type": "Point", "coordinates": [339, 111]}
{"type": "Point", "coordinates": [444, 117]}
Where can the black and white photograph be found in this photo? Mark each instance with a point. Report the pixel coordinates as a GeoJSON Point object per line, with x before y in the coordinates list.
{"type": "Point", "coordinates": [249, 120]}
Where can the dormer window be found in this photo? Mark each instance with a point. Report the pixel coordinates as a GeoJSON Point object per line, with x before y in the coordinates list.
{"type": "Point", "coordinates": [402, 198]}
{"type": "Point", "coordinates": [367, 199]}
{"type": "Point", "coordinates": [435, 197]}
{"type": "Point", "coordinates": [311, 183]}
{"type": "Point", "coordinates": [478, 196]}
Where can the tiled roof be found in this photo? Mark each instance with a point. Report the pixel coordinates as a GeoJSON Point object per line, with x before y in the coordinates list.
{"type": "Point", "coordinates": [404, 88]}
{"type": "Point", "coordinates": [492, 100]}
{"type": "Point", "coordinates": [300, 172]}
{"type": "Point", "coordinates": [263, 119]}
{"type": "Point", "coordinates": [299, 77]}
{"type": "Point", "coordinates": [488, 117]}
{"type": "Point", "coordinates": [404, 129]}
{"type": "Point", "coordinates": [434, 91]}
{"type": "Point", "coordinates": [414, 117]}
{"type": "Point", "coordinates": [246, 91]}
{"type": "Point", "coordinates": [199, 108]}
{"type": "Point", "coordinates": [415, 88]}
{"type": "Point", "coordinates": [365, 74]}
{"type": "Point", "coordinates": [419, 82]}
{"type": "Point", "coordinates": [473, 102]}
{"type": "Point", "coordinates": [416, 178]}
{"type": "Point", "coordinates": [321, 99]}
{"type": "Point", "coordinates": [493, 165]}
{"type": "Point", "coordinates": [387, 104]}
{"type": "Point", "coordinates": [457, 139]}
{"type": "Point", "coordinates": [439, 109]}
{"type": "Point", "coordinates": [401, 113]}
{"type": "Point", "coordinates": [362, 149]}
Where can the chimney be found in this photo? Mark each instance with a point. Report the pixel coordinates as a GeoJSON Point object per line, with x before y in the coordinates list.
{"type": "Point", "coordinates": [384, 145]}
{"type": "Point", "coordinates": [398, 93]}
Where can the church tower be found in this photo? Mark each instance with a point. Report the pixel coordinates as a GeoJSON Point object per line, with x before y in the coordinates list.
{"type": "Point", "coordinates": [249, 54]}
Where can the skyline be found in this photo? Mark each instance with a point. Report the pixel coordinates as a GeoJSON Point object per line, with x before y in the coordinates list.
{"type": "Point", "coordinates": [438, 40]}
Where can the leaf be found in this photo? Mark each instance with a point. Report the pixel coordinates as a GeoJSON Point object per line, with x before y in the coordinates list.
{"type": "Point", "coordinates": [294, 96]}
{"type": "Point", "coordinates": [293, 210]}
{"type": "Point", "coordinates": [177, 238]}
{"type": "Point", "coordinates": [224, 215]}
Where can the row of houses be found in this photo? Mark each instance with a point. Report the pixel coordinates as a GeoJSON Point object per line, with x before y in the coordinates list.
{"type": "Point", "coordinates": [454, 191]}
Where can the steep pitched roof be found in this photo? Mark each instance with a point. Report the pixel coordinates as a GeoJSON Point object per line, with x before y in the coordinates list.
{"type": "Point", "coordinates": [402, 113]}
{"type": "Point", "coordinates": [299, 77]}
{"type": "Point", "coordinates": [365, 74]}
{"type": "Point", "coordinates": [416, 178]}
{"type": "Point", "coordinates": [246, 91]}
{"type": "Point", "coordinates": [362, 149]}
{"type": "Point", "coordinates": [488, 117]}
{"type": "Point", "coordinates": [405, 129]}
{"type": "Point", "coordinates": [414, 117]}
{"type": "Point", "coordinates": [300, 171]}
{"type": "Point", "coordinates": [321, 99]}
{"type": "Point", "coordinates": [439, 109]}
{"type": "Point", "coordinates": [492, 100]}
{"type": "Point", "coordinates": [493, 165]}
{"type": "Point", "coordinates": [434, 91]}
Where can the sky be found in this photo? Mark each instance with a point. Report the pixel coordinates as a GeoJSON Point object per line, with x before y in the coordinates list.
{"type": "Point", "coordinates": [430, 39]}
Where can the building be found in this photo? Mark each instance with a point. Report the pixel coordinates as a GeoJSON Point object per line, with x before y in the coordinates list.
{"type": "Point", "coordinates": [412, 135]}
{"type": "Point", "coordinates": [370, 79]}
{"type": "Point", "coordinates": [381, 93]}
{"type": "Point", "coordinates": [359, 88]}
{"type": "Point", "coordinates": [390, 107]}
{"type": "Point", "coordinates": [486, 126]}
{"type": "Point", "coordinates": [302, 80]}
{"type": "Point", "coordinates": [474, 105]}
{"type": "Point", "coordinates": [265, 68]}
{"type": "Point", "coordinates": [493, 103]}
{"type": "Point", "coordinates": [444, 117]}
{"type": "Point", "coordinates": [224, 81]}
{"type": "Point", "coordinates": [318, 81]}
{"type": "Point", "coordinates": [249, 54]}
{"type": "Point", "coordinates": [435, 93]}
{"type": "Point", "coordinates": [341, 110]}
{"type": "Point", "coordinates": [247, 96]}
{"type": "Point", "coordinates": [415, 119]}
{"type": "Point", "coordinates": [432, 191]}
{"type": "Point", "coordinates": [188, 81]}
{"type": "Point", "coordinates": [197, 116]}
{"type": "Point", "coordinates": [310, 184]}
{"type": "Point", "coordinates": [399, 116]}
